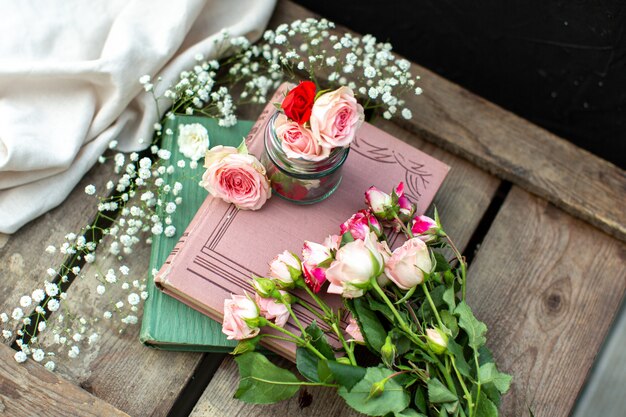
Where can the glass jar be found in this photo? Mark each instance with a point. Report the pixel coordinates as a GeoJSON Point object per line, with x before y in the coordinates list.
{"type": "Point", "coordinates": [296, 179]}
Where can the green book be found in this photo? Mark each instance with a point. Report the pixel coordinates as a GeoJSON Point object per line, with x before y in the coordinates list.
{"type": "Point", "coordinates": [167, 323]}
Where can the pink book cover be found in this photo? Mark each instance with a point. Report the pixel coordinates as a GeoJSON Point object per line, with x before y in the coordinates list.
{"type": "Point", "coordinates": [223, 247]}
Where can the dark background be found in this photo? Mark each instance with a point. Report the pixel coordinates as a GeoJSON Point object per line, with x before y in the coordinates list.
{"type": "Point", "coordinates": [559, 64]}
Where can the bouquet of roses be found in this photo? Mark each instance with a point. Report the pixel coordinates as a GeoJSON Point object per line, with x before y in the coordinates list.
{"type": "Point", "coordinates": [412, 346]}
{"type": "Point", "coordinates": [311, 124]}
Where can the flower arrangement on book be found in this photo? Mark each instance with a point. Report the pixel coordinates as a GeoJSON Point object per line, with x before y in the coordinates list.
{"type": "Point", "coordinates": [412, 347]}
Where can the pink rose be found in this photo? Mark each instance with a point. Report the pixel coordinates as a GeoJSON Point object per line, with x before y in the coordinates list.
{"type": "Point", "coordinates": [273, 310]}
{"type": "Point", "coordinates": [236, 177]}
{"type": "Point", "coordinates": [240, 312]}
{"type": "Point", "coordinates": [406, 209]}
{"type": "Point", "coordinates": [378, 202]}
{"type": "Point", "coordinates": [280, 269]}
{"type": "Point", "coordinates": [360, 225]}
{"type": "Point", "coordinates": [355, 264]}
{"type": "Point", "coordinates": [425, 228]}
{"type": "Point", "coordinates": [297, 141]}
{"type": "Point", "coordinates": [354, 330]}
{"type": "Point", "coordinates": [335, 118]}
{"type": "Point", "coordinates": [314, 254]}
{"type": "Point", "coordinates": [408, 263]}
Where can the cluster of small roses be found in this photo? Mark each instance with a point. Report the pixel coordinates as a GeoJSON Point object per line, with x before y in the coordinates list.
{"type": "Point", "coordinates": [349, 262]}
{"type": "Point", "coordinates": [312, 125]}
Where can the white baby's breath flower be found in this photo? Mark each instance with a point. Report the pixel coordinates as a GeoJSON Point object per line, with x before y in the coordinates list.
{"type": "Point", "coordinates": [38, 355]}
{"type": "Point", "coordinates": [107, 315]}
{"type": "Point", "coordinates": [4, 317]}
{"type": "Point", "coordinates": [51, 272]}
{"type": "Point", "coordinates": [101, 289]}
{"type": "Point", "coordinates": [418, 91]}
{"type": "Point", "coordinates": [51, 288]}
{"type": "Point", "coordinates": [42, 326]}
{"type": "Point", "coordinates": [20, 357]}
{"type": "Point", "coordinates": [51, 249]}
{"type": "Point", "coordinates": [74, 352]}
{"type": "Point", "coordinates": [193, 140]}
{"type": "Point", "coordinates": [124, 270]}
{"type": "Point", "coordinates": [144, 79]}
{"type": "Point", "coordinates": [50, 365]}
{"type": "Point", "coordinates": [53, 305]}
{"type": "Point", "coordinates": [25, 301]}
{"type": "Point", "coordinates": [170, 231]}
{"type": "Point", "coordinates": [38, 295]}
{"type": "Point", "coordinates": [90, 189]}
{"type": "Point", "coordinates": [406, 113]}
{"type": "Point", "coordinates": [133, 299]}
{"type": "Point", "coordinates": [17, 313]}
{"type": "Point", "coordinates": [7, 334]}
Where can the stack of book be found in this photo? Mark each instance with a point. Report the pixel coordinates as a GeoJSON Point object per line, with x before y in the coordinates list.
{"type": "Point", "coordinates": [223, 247]}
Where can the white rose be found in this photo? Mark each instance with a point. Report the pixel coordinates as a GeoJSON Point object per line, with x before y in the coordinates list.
{"type": "Point", "coordinates": [193, 140]}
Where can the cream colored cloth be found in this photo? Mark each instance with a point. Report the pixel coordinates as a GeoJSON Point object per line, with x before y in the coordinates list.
{"type": "Point", "coordinates": [69, 72]}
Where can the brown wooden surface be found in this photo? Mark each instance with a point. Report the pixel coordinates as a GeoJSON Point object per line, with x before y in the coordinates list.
{"type": "Point", "coordinates": [120, 370]}
{"type": "Point", "coordinates": [548, 287]}
{"type": "Point", "coordinates": [30, 390]}
{"type": "Point", "coordinates": [582, 184]}
{"type": "Point", "coordinates": [23, 260]}
{"type": "Point", "coordinates": [462, 201]}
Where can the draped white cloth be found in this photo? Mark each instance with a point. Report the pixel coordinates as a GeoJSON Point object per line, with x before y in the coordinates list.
{"type": "Point", "coordinates": [69, 72]}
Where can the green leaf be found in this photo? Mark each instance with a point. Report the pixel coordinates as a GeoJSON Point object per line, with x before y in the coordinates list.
{"type": "Point", "coordinates": [318, 340]}
{"type": "Point", "coordinates": [393, 399]}
{"type": "Point", "coordinates": [489, 373]}
{"type": "Point", "coordinates": [449, 298]}
{"type": "Point", "coordinates": [345, 375]}
{"type": "Point", "coordinates": [402, 343]}
{"type": "Point", "coordinates": [438, 393]}
{"type": "Point", "coordinates": [449, 320]}
{"type": "Point", "coordinates": [346, 238]}
{"type": "Point", "coordinates": [242, 148]}
{"type": "Point", "coordinates": [382, 308]}
{"type": "Point", "coordinates": [486, 408]}
{"type": "Point", "coordinates": [306, 362]}
{"type": "Point", "coordinates": [475, 329]}
{"type": "Point", "coordinates": [408, 412]}
{"type": "Point", "coordinates": [442, 264]}
{"type": "Point", "coordinates": [373, 331]}
{"type": "Point", "coordinates": [262, 382]}
{"type": "Point", "coordinates": [457, 350]}
{"type": "Point", "coordinates": [420, 400]}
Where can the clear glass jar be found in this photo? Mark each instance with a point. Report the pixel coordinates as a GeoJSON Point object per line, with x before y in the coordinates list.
{"type": "Point", "coordinates": [296, 179]}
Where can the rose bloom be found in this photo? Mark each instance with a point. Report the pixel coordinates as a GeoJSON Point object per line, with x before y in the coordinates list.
{"type": "Point", "coordinates": [193, 140]}
{"type": "Point", "coordinates": [279, 268]}
{"type": "Point", "coordinates": [273, 310]}
{"type": "Point", "coordinates": [314, 254]}
{"type": "Point", "coordinates": [298, 102]}
{"type": "Point", "coordinates": [332, 242]}
{"type": "Point", "coordinates": [335, 118]}
{"type": "Point", "coordinates": [297, 141]}
{"type": "Point", "coordinates": [354, 330]}
{"type": "Point", "coordinates": [236, 177]}
{"type": "Point", "coordinates": [236, 311]}
{"type": "Point", "coordinates": [407, 264]}
{"type": "Point", "coordinates": [355, 264]}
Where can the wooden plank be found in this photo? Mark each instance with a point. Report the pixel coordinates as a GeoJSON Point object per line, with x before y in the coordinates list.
{"type": "Point", "coordinates": [502, 143]}
{"type": "Point", "coordinates": [23, 260]}
{"type": "Point", "coordinates": [548, 287]}
{"type": "Point", "coordinates": [119, 369]}
{"type": "Point", "coordinates": [29, 389]}
{"type": "Point", "coordinates": [461, 201]}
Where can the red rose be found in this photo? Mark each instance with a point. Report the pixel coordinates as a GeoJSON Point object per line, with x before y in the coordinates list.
{"type": "Point", "coordinates": [299, 102]}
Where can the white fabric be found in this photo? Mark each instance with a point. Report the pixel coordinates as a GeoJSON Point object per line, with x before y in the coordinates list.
{"type": "Point", "coordinates": [69, 72]}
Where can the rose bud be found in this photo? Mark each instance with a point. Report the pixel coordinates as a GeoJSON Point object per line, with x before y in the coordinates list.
{"type": "Point", "coordinates": [354, 330]}
{"type": "Point", "coordinates": [241, 318]}
{"type": "Point", "coordinates": [407, 264]}
{"type": "Point", "coordinates": [264, 287]}
{"type": "Point", "coordinates": [379, 203]}
{"type": "Point", "coordinates": [355, 264]}
{"type": "Point", "coordinates": [388, 352]}
{"type": "Point", "coordinates": [298, 102]}
{"type": "Point", "coordinates": [274, 310]}
{"type": "Point", "coordinates": [314, 260]}
{"type": "Point", "coordinates": [425, 228]}
{"type": "Point", "coordinates": [332, 242]}
{"type": "Point", "coordinates": [406, 208]}
{"type": "Point", "coordinates": [285, 269]}
{"type": "Point", "coordinates": [437, 340]}
{"type": "Point", "coordinates": [360, 225]}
